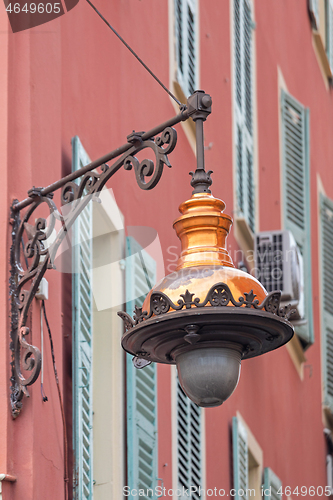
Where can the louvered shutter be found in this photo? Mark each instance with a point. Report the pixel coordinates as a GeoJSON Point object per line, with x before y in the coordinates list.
{"type": "Point", "coordinates": [314, 13]}
{"type": "Point", "coordinates": [82, 340]}
{"type": "Point", "coordinates": [141, 383]}
{"type": "Point", "coordinates": [326, 214]}
{"type": "Point", "coordinates": [186, 27]}
{"type": "Point", "coordinates": [272, 485]}
{"type": "Point", "coordinates": [243, 92]}
{"type": "Point", "coordinates": [189, 444]}
{"type": "Point", "coordinates": [240, 459]}
{"type": "Point", "coordinates": [296, 193]}
{"type": "Point", "coordinates": [329, 32]}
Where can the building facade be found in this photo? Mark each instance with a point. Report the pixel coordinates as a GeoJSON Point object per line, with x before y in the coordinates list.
{"type": "Point", "coordinates": [70, 93]}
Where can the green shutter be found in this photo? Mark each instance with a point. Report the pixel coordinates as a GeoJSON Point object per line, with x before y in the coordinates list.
{"type": "Point", "coordinates": [272, 485]}
{"type": "Point", "coordinates": [189, 443]}
{"type": "Point", "coordinates": [314, 13]}
{"type": "Point", "coordinates": [243, 92]}
{"type": "Point", "coordinates": [179, 36]}
{"type": "Point", "coordinates": [240, 459]}
{"type": "Point", "coordinates": [326, 215]}
{"type": "Point", "coordinates": [238, 50]}
{"type": "Point", "coordinates": [141, 384]}
{"type": "Point", "coordinates": [186, 44]}
{"type": "Point", "coordinates": [329, 32]}
{"type": "Point", "coordinates": [82, 341]}
{"type": "Point", "coordinates": [296, 194]}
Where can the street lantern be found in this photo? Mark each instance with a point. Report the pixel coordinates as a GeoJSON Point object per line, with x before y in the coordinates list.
{"type": "Point", "coordinates": [206, 317]}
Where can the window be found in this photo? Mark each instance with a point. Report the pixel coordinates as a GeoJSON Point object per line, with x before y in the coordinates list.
{"type": "Point", "coordinates": [243, 105]}
{"type": "Point", "coordinates": [82, 341]}
{"type": "Point", "coordinates": [272, 485]}
{"type": "Point", "coordinates": [141, 383]}
{"type": "Point", "coordinates": [247, 462]}
{"type": "Point", "coordinates": [326, 226]}
{"type": "Point", "coordinates": [186, 34]}
{"type": "Point", "coordinates": [296, 195]}
{"type": "Point", "coordinates": [189, 443]}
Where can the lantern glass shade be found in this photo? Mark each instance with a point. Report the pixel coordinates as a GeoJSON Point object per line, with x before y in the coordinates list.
{"type": "Point", "coordinates": [209, 376]}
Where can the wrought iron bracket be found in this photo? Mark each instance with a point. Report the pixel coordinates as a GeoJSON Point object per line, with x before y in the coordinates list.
{"type": "Point", "coordinates": [30, 258]}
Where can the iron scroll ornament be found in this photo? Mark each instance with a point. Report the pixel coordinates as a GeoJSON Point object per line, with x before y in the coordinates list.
{"type": "Point", "coordinates": [219, 295]}
{"type": "Point", "coordinates": [39, 258]}
{"type": "Point", "coordinates": [148, 334]}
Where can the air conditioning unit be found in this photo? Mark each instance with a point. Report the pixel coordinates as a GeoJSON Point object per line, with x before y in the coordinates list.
{"type": "Point", "coordinates": [279, 266]}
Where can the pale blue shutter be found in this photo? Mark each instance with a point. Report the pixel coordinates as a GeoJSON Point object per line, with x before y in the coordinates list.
{"type": "Point", "coordinates": [243, 92]}
{"type": "Point", "coordinates": [82, 341]}
{"type": "Point", "coordinates": [141, 384]}
{"type": "Point", "coordinates": [272, 485]}
{"type": "Point", "coordinates": [329, 32]}
{"type": "Point", "coordinates": [240, 459]}
{"type": "Point", "coordinates": [296, 194]}
{"type": "Point", "coordinates": [189, 444]}
{"type": "Point", "coordinates": [314, 13]}
{"type": "Point", "coordinates": [186, 28]}
{"type": "Point", "coordinates": [326, 215]}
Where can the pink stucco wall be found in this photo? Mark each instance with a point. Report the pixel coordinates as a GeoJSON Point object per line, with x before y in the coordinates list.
{"type": "Point", "coordinates": [73, 77]}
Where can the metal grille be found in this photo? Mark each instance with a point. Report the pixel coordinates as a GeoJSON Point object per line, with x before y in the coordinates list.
{"type": "Point", "coordinates": [269, 263]}
{"type": "Point", "coordinates": [189, 462]}
{"type": "Point", "coordinates": [294, 152]}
